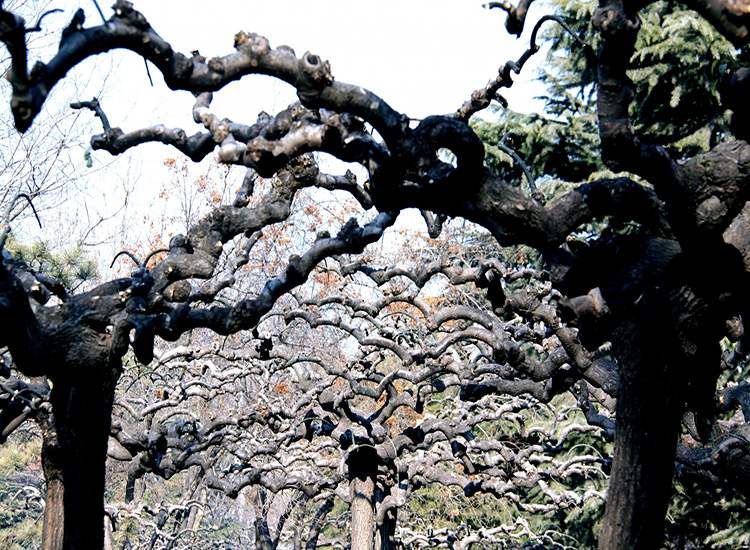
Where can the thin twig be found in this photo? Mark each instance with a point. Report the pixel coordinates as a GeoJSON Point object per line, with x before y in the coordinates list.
{"type": "Point", "coordinates": [129, 255]}
{"type": "Point", "coordinates": [139, 263]}
{"type": "Point", "coordinates": [481, 99]}
{"type": "Point", "coordinates": [5, 227]}
{"type": "Point", "coordinates": [152, 254]}
{"type": "Point", "coordinates": [526, 172]}
{"type": "Point", "coordinates": [101, 14]}
{"type": "Point", "coordinates": [38, 26]}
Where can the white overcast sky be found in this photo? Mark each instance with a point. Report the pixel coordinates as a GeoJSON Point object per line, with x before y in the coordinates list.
{"type": "Point", "coordinates": [421, 56]}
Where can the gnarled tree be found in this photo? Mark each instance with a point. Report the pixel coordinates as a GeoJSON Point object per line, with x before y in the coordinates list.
{"type": "Point", "coordinates": [649, 295]}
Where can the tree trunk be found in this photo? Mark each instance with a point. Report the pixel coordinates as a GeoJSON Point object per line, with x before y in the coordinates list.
{"type": "Point", "coordinates": [385, 537]}
{"type": "Point", "coordinates": [648, 417]}
{"type": "Point", "coordinates": [318, 523]}
{"type": "Point", "coordinates": [363, 513]}
{"type": "Point", "coordinates": [669, 355]}
{"type": "Point", "coordinates": [363, 468]}
{"type": "Point", "coordinates": [196, 512]}
{"type": "Point", "coordinates": [263, 539]}
{"type": "Point", "coordinates": [82, 405]}
{"type": "Point", "coordinates": [108, 534]}
{"type": "Point", "coordinates": [52, 534]}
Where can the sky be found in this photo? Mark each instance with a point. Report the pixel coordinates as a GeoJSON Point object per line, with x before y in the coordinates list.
{"type": "Point", "coordinates": [423, 57]}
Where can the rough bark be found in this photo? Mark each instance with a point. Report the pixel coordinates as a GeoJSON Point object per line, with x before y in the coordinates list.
{"type": "Point", "coordinates": [83, 410]}
{"type": "Point", "coordinates": [54, 511]}
{"type": "Point", "coordinates": [362, 463]}
{"type": "Point", "coordinates": [649, 410]}
{"type": "Point", "coordinates": [660, 371]}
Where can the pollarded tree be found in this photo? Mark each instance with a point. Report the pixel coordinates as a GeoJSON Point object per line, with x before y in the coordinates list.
{"type": "Point", "coordinates": [651, 295]}
{"type": "Point", "coordinates": [217, 421]}
{"type": "Point", "coordinates": [680, 62]}
{"type": "Point", "coordinates": [438, 394]}
{"type": "Point", "coordinates": [423, 407]}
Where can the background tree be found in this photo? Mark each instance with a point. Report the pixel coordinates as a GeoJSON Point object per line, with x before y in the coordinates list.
{"type": "Point", "coordinates": [401, 396]}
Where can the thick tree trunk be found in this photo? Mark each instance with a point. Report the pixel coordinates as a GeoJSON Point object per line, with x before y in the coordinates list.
{"type": "Point", "coordinates": [649, 407]}
{"type": "Point", "coordinates": [363, 513]}
{"type": "Point", "coordinates": [363, 468]}
{"type": "Point", "coordinates": [669, 356]}
{"type": "Point", "coordinates": [83, 407]}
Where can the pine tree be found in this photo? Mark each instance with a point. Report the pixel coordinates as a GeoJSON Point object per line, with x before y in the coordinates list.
{"type": "Point", "coordinates": [677, 101]}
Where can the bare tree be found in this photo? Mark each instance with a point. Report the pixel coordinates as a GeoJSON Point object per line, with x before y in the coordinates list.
{"type": "Point", "coordinates": [650, 296]}
{"type": "Point", "coordinates": [402, 414]}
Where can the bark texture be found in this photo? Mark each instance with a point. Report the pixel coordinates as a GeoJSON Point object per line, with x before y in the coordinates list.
{"type": "Point", "coordinates": [663, 315]}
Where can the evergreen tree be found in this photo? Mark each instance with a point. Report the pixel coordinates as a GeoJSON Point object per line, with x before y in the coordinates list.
{"type": "Point", "coordinates": [678, 69]}
{"type": "Point", "coordinates": [680, 66]}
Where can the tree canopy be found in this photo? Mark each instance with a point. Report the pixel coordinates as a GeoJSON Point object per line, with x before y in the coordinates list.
{"type": "Point", "coordinates": [568, 331]}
